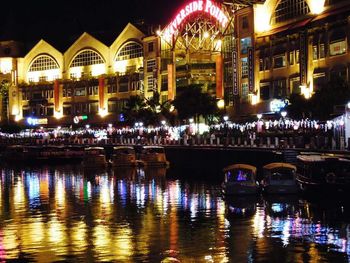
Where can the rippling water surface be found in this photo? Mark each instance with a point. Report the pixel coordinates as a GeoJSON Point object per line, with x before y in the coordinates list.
{"type": "Point", "coordinates": [66, 214]}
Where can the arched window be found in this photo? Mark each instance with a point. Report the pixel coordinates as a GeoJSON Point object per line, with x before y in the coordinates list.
{"type": "Point", "coordinates": [86, 58]}
{"type": "Point", "coordinates": [289, 9]}
{"type": "Point", "coordinates": [42, 63]}
{"type": "Point", "coordinates": [129, 51]}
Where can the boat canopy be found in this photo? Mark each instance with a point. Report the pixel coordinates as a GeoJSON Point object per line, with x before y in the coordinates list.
{"type": "Point", "coordinates": [240, 166]}
{"type": "Point", "coordinates": [272, 166]}
{"type": "Point", "coordinates": [321, 158]}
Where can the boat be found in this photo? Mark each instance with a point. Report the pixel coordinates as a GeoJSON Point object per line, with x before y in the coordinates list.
{"type": "Point", "coordinates": [323, 174]}
{"type": "Point", "coordinates": [240, 179]}
{"type": "Point", "coordinates": [94, 157]}
{"type": "Point", "coordinates": [279, 178]}
{"type": "Point", "coordinates": [123, 156]}
{"type": "Point", "coordinates": [153, 156]}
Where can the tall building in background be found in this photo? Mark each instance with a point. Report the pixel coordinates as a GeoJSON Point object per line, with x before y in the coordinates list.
{"type": "Point", "coordinates": [251, 54]}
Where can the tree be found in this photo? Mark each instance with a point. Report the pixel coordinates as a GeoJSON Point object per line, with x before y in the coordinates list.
{"type": "Point", "coordinates": [132, 109]}
{"type": "Point", "coordinates": [4, 93]}
{"type": "Point", "coordinates": [192, 102]}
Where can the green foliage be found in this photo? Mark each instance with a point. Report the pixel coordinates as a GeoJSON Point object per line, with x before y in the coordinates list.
{"type": "Point", "coordinates": [11, 128]}
{"type": "Point", "coordinates": [192, 102]}
{"type": "Point", "coordinates": [321, 105]}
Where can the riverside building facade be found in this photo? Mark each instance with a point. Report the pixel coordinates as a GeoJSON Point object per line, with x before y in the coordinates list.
{"type": "Point", "coordinates": [251, 56]}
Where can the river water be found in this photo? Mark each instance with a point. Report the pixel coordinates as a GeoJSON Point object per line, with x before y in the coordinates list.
{"type": "Point", "coordinates": [66, 214]}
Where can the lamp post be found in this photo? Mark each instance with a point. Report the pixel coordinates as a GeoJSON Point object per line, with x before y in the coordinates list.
{"type": "Point", "coordinates": [226, 129]}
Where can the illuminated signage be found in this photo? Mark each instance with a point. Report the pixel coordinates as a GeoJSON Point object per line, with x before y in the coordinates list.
{"type": "Point", "coordinates": [34, 121]}
{"type": "Point", "coordinates": [77, 119]}
{"type": "Point", "coordinates": [207, 7]}
{"type": "Point", "coordinates": [277, 105]}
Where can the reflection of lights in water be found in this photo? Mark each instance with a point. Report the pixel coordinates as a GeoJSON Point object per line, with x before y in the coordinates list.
{"type": "Point", "coordinates": [165, 202]}
{"type": "Point", "coordinates": [57, 237]}
{"type": "Point", "coordinates": [259, 222]}
{"type": "Point", "coordinates": [19, 195]}
{"type": "Point", "coordinates": [78, 231]}
{"type": "Point", "coordinates": [101, 238]}
{"type": "Point", "coordinates": [123, 243]}
{"type": "Point", "coordinates": [105, 197]}
{"type": "Point", "coordinates": [208, 258]}
{"type": "Point", "coordinates": [36, 231]}
{"type": "Point", "coordinates": [60, 191]}
{"type": "Point", "coordinates": [33, 190]}
{"type": "Point", "coordinates": [194, 205]}
{"type": "Point", "coordinates": [11, 241]}
{"type": "Point", "coordinates": [140, 195]}
{"type": "Point", "coordinates": [277, 207]}
{"type": "Point", "coordinates": [89, 190]}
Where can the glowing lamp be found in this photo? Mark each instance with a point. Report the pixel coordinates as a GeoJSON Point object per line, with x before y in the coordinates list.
{"type": "Point", "coordinates": [221, 104]}
{"type": "Point", "coordinates": [259, 116]}
{"type": "Point", "coordinates": [103, 112]}
{"type": "Point", "coordinates": [283, 114]}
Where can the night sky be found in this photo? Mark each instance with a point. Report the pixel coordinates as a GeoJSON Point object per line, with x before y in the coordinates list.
{"type": "Point", "coordinates": [36, 19]}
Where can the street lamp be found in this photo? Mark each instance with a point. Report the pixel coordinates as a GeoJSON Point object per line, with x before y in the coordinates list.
{"type": "Point", "coordinates": [283, 114]}
{"type": "Point", "coordinates": [163, 122]}
{"type": "Point", "coordinates": [225, 118]}
{"type": "Point", "coordinates": [259, 116]}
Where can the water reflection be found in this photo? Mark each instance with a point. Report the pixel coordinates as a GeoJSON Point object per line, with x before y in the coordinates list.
{"type": "Point", "coordinates": [127, 215]}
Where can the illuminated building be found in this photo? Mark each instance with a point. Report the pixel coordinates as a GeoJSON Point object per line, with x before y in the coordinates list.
{"type": "Point", "coordinates": [248, 54]}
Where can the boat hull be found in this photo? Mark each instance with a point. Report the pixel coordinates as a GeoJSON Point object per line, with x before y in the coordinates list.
{"type": "Point", "coordinates": [281, 189]}
{"type": "Point", "coordinates": [238, 189]}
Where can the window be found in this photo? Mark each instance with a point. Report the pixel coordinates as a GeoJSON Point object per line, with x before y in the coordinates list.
{"type": "Point", "coordinates": [67, 110]}
{"type": "Point", "coordinates": [81, 108]}
{"type": "Point", "coordinates": [314, 53]}
{"type": "Point", "coordinates": [279, 88]}
{"type": "Point", "coordinates": [93, 107]}
{"type": "Point", "coordinates": [43, 63]}
{"type": "Point", "coordinates": [42, 78]}
{"type": "Point", "coordinates": [295, 85]}
{"type": "Point", "coordinates": [112, 88]}
{"type": "Point", "coordinates": [49, 111]}
{"type": "Point", "coordinates": [151, 64]}
{"type": "Point", "coordinates": [267, 64]}
{"type": "Point", "coordinates": [289, 9]}
{"type": "Point", "coordinates": [73, 75]}
{"type": "Point", "coordinates": [164, 86]}
{"type": "Point", "coordinates": [150, 47]}
{"type": "Point", "coordinates": [245, 44]}
{"type": "Point", "coordinates": [135, 85]}
{"type": "Point", "coordinates": [112, 106]}
{"type": "Point", "coordinates": [87, 58]}
{"type": "Point", "coordinates": [129, 51]}
{"type": "Point", "coordinates": [291, 58]}
{"type": "Point", "coordinates": [261, 64]}
{"type": "Point", "coordinates": [319, 80]}
{"type": "Point", "coordinates": [245, 91]}
{"type": "Point", "coordinates": [80, 92]}
{"type": "Point", "coordinates": [93, 90]}
{"type": "Point", "coordinates": [150, 83]}
{"type": "Point", "coordinates": [264, 91]}
{"type": "Point", "coordinates": [124, 84]}
{"type": "Point", "coordinates": [322, 51]}
{"type": "Point", "coordinates": [279, 61]}
{"type": "Point", "coordinates": [337, 48]}
{"type": "Point", "coordinates": [245, 23]}
{"type": "Point", "coordinates": [297, 56]}
{"type": "Point", "coordinates": [244, 67]}
{"type": "Point", "coordinates": [67, 92]}
{"type": "Point", "coordinates": [164, 98]}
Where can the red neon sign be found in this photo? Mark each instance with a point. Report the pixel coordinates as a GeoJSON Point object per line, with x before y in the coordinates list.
{"type": "Point", "coordinates": [207, 7]}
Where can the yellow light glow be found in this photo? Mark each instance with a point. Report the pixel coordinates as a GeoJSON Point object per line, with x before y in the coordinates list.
{"type": "Point", "coordinates": [58, 114]}
{"type": "Point", "coordinates": [5, 65]}
{"type": "Point", "coordinates": [18, 118]}
{"type": "Point", "coordinates": [221, 104]}
{"type": "Point", "coordinates": [206, 35]}
{"type": "Point", "coordinates": [103, 112]}
{"type": "Point", "coordinates": [262, 18]}
{"type": "Point", "coordinates": [254, 99]}
{"type": "Point", "coordinates": [124, 65]}
{"type": "Point", "coordinates": [98, 69]}
{"type": "Point", "coordinates": [76, 72]}
{"type": "Point", "coordinates": [306, 92]}
{"type": "Point", "coordinates": [316, 6]}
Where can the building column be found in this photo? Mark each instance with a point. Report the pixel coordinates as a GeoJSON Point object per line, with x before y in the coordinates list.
{"type": "Point", "coordinates": [219, 77]}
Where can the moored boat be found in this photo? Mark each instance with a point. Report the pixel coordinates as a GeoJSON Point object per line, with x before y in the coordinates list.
{"type": "Point", "coordinates": [94, 157]}
{"type": "Point", "coordinates": [279, 178]}
{"type": "Point", "coordinates": [240, 179]}
{"type": "Point", "coordinates": [124, 156]}
{"type": "Point", "coordinates": [323, 174]}
{"type": "Point", "coordinates": [153, 156]}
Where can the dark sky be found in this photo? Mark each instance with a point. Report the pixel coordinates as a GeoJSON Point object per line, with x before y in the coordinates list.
{"type": "Point", "coordinates": [50, 19]}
